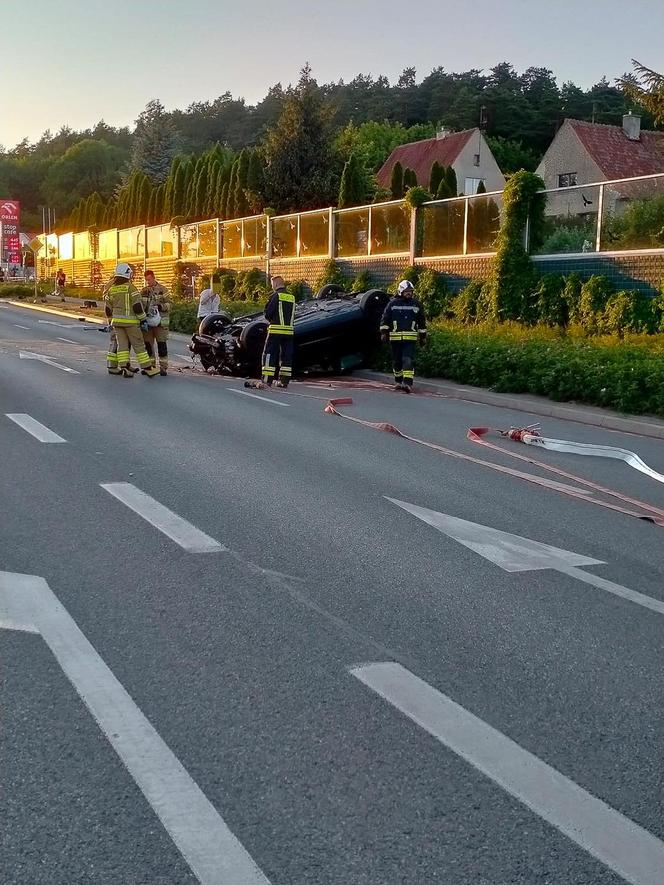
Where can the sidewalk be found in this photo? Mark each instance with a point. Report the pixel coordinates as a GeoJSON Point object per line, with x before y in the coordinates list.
{"type": "Point", "coordinates": [643, 425]}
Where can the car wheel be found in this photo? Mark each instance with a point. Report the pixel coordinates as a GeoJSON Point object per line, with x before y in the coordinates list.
{"type": "Point", "coordinates": [252, 339]}
{"type": "Point", "coordinates": [331, 290]}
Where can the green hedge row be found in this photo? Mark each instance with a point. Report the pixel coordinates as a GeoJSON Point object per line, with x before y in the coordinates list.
{"type": "Point", "coordinates": [183, 313]}
{"type": "Point", "coordinates": [627, 376]}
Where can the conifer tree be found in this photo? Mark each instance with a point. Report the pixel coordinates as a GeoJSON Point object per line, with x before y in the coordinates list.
{"type": "Point", "coordinates": [397, 181]}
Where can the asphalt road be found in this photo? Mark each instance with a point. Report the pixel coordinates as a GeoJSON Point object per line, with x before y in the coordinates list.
{"type": "Point", "coordinates": [241, 658]}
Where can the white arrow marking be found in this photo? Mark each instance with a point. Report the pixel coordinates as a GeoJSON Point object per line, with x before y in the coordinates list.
{"type": "Point", "coordinates": [213, 853]}
{"type": "Point", "coordinates": [615, 840]}
{"type": "Point", "coordinates": [262, 399]}
{"type": "Point", "coordinates": [516, 554]}
{"type": "Point", "coordinates": [35, 428]}
{"type": "Point", "coordinates": [19, 326]}
{"type": "Point", "coordinates": [27, 355]}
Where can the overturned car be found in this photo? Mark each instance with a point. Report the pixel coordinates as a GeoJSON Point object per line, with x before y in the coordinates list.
{"type": "Point", "coordinates": [333, 331]}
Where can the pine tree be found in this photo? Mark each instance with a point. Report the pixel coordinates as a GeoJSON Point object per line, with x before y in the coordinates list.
{"type": "Point", "coordinates": [481, 188]}
{"type": "Point", "coordinates": [437, 172]}
{"type": "Point", "coordinates": [450, 177]}
{"type": "Point", "coordinates": [200, 195]}
{"type": "Point", "coordinates": [241, 207]}
{"type": "Point", "coordinates": [144, 193]}
{"type": "Point", "coordinates": [155, 142]}
{"type": "Point", "coordinates": [94, 209]}
{"type": "Point", "coordinates": [352, 189]}
{"type": "Point", "coordinates": [230, 199]}
{"type": "Point", "coordinates": [150, 220]}
{"type": "Point", "coordinates": [397, 181]}
{"type": "Point", "coordinates": [409, 179]}
{"type": "Point", "coordinates": [159, 196]}
{"type": "Point", "coordinates": [223, 200]}
{"type": "Point", "coordinates": [214, 169]}
{"type": "Point", "coordinates": [255, 182]}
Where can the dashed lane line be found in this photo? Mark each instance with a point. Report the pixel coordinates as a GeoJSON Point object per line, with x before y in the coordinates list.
{"type": "Point", "coordinates": [173, 526]}
{"type": "Point", "coordinates": [34, 428]}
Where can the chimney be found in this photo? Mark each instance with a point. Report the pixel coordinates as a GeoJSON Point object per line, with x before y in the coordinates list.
{"type": "Point", "coordinates": [632, 126]}
{"type": "Point", "coordinates": [442, 133]}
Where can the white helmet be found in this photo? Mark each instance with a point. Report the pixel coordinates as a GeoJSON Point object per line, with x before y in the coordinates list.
{"type": "Point", "coordinates": [405, 286]}
{"type": "Point", "coordinates": [124, 270]}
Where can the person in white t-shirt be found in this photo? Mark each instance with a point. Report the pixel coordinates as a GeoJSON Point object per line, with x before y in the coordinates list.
{"type": "Point", "coordinates": [207, 303]}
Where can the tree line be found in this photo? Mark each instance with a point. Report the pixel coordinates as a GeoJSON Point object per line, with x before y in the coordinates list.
{"type": "Point", "coordinates": [303, 146]}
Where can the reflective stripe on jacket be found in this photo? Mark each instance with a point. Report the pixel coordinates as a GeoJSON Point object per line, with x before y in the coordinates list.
{"type": "Point", "coordinates": [280, 312]}
{"type": "Point", "coordinates": [124, 301]}
{"type": "Point", "coordinates": [404, 319]}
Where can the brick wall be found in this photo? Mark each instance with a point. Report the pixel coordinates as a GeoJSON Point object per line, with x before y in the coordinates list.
{"type": "Point", "coordinates": [644, 272]}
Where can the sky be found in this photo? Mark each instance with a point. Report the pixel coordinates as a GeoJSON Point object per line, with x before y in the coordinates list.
{"type": "Point", "coordinates": [75, 62]}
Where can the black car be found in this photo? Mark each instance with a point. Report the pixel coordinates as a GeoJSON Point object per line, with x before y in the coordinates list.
{"type": "Point", "coordinates": [333, 331]}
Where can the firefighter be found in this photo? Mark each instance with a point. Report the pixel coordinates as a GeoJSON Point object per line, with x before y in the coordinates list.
{"type": "Point", "coordinates": [125, 310]}
{"type": "Point", "coordinates": [278, 351]}
{"type": "Point", "coordinates": [403, 323]}
{"type": "Point", "coordinates": [157, 304]}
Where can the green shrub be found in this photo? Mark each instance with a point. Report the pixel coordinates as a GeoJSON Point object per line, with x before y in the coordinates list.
{"type": "Point", "coordinates": [183, 316]}
{"type": "Point", "coordinates": [569, 238]}
{"type": "Point", "coordinates": [595, 293]}
{"type": "Point", "coordinates": [251, 285]}
{"type": "Point", "coordinates": [627, 311]}
{"type": "Point", "coordinates": [433, 292]}
{"type": "Point", "coordinates": [299, 289]}
{"type": "Point", "coordinates": [410, 272]}
{"type": "Point", "coordinates": [362, 282]}
{"type": "Point", "coordinates": [639, 226]}
{"type": "Point", "coordinates": [21, 291]}
{"type": "Point", "coordinates": [572, 294]}
{"type": "Point", "coordinates": [550, 306]}
{"type": "Point", "coordinates": [626, 376]}
{"type": "Point", "coordinates": [332, 274]}
{"type": "Point", "coordinates": [512, 278]}
{"type": "Point", "coordinates": [464, 305]}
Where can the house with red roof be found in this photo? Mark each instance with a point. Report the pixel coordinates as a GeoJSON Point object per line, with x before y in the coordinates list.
{"type": "Point", "coordinates": [582, 153]}
{"type": "Point", "coordinates": [467, 152]}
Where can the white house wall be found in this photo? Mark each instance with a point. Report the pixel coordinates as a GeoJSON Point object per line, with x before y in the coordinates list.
{"type": "Point", "coordinates": [566, 154]}
{"type": "Point", "coordinates": [488, 170]}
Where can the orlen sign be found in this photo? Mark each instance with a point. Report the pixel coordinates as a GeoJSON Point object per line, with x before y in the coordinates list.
{"type": "Point", "coordinates": [10, 220]}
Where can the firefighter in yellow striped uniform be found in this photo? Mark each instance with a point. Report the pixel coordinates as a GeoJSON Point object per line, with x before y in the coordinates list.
{"type": "Point", "coordinates": [125, 310]}
{"type": "Point", "coordinates": [403, 323]}
{"type": "Point", "coordinates": [278, 351]}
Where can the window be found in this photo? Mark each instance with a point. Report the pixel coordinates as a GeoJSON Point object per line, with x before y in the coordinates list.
{"type": "Point", "coordinates": [471, 185]}
{"type": "Point", "coordinates": [476, 159]}
{"type": "Point", "coordinates": [567, 179]}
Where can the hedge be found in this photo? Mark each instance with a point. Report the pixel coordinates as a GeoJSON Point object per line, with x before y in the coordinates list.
{"type": "Point", "coordinates": [183, 313]}
{"type": "Point", "coordinates": [627, 376]}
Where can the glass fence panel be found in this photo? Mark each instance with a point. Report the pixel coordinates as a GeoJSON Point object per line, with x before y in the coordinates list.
{"type": "Point", "coordinates": [254, 237]}
{"type": "Point", "coordinates": [66, 247]}
{"type": "Point", "coordinates": [232, 239]}
{"type": "Point", "coordinates": [352, 232]}
{"type": "Point", "coordinates": [161, 241]}
{"type": "Point", "coordinates": [442, 228]}
{"type": "Point", "coordinates": [570, 221]}
{"type": "Point", "coordinates": [108, 245]}
{"type": "Point", "coordinates": [390, 228]}
{"type": "Point", "coordinates": [82, 246]}
{"type": "Point", "coordinates": [131, 242]}
{"type": "Point", "coordinates": [314, 234]}
{"type": "Point", "coordinates": [189, 242]}
{"type": "Point", "coordinates": [207, 239]}
{"type": "Point", "coordinates": [284, 237]}
{"type": "Point", "coordinates": [633, 215]}
{"type": "Point", "coordinates": [484, 215]}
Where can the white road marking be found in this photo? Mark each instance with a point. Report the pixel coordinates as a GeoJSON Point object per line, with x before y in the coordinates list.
{"type": "Point", "coordinates": [67, 340]}
{"type": "Point", "coordinates": [516, 554]}
{"type": "Point", "coordinates": [212, 851]}
{"type": "Point", "coordinates": [27, 355]}
{"type": "Point", "coordinates": [34, 428]}
{"type": "Point", "coordinates": [61, 325]}
{"type": "Point", "coordinates": [172, 525]}
{"type": "Point", "coordinates": [619, 843]}
{"type": "Point", "coordinates": [262, 399]}
{"type": "Point", "coordinates": [19, 326]}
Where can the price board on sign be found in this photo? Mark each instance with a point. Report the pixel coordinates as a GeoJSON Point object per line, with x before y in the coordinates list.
{"type": "Point", "coordinates": [10, 219]}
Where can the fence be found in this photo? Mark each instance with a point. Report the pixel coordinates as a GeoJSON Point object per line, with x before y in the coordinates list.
{"type": "Point", "coordinates": [619, 216]}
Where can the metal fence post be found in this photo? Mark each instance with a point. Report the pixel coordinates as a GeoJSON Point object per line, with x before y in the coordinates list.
{"type": "Point", "coordinates": [600, 213]}
{"type": "Point", "coordinates": [369, 232]}
{"type": "Point", "coordinates": [526, 234]}
{"type": "Point", "coordinates": [413, 234]}
{"type": "Point", "coordinates": [466, 203]}
{"type": "Point", "coordinates": [331, 242]}
{"type": "Point", "coordinates": [268, 245]}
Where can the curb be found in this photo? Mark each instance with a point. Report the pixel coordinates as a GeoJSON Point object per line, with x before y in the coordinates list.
{"type": "Point", "coordinates": [58, 313]}
{"type": "Point", "coordinates": [607, 420]}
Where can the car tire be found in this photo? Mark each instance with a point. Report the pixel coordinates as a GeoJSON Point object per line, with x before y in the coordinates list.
{"type": "Point", "coordinates": [331, 290]}
{"type": "Point", "coordinates": [252, 339]}
{"type": "Point", "coordinates": [374, 301]}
